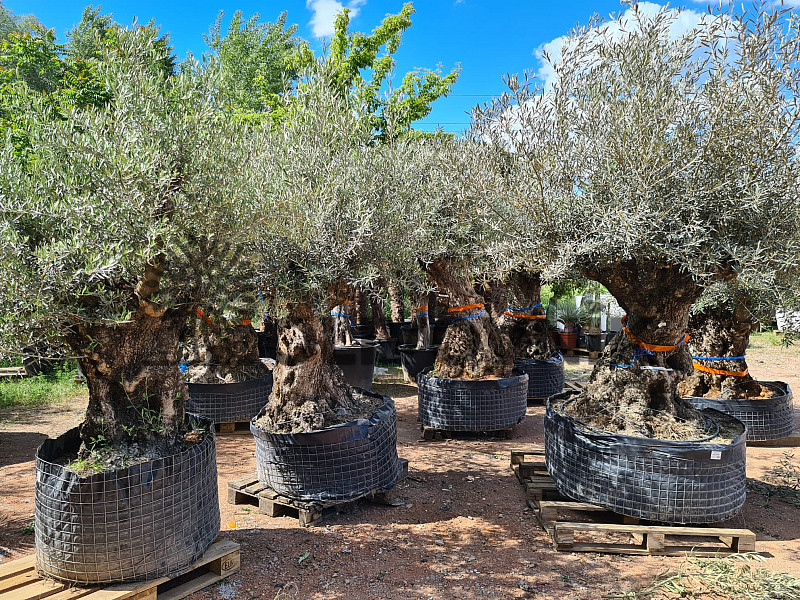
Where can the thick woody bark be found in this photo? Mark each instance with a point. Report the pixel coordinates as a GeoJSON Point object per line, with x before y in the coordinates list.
{"type": "Point", "coordinates": [136, 390]}
{"type": "Point", "coordinates": [308, 387]}
{"type": "Point", "coordinates": [421, 316]}
{"type": "Point", "coordinates": [378, 318]}
{"type": "Point", "coordinates": [472, 348]}
{"type": "Point", "coordinates": [397, 301]}
{"type": "Point", "coordinates": [530, 337]}
{"type": "Point", "coordinates": [224, 352]}
{"type": "Point", "coordinates": [719, 331]}
{"type": "Point", "coordinates": [360, 303]}
{"type": "Point", "coordinates": [342, 330]}
{"type": "Point", "coordinates": [641, 399]}
{"type": "Point", "coordinates": [495, 297]}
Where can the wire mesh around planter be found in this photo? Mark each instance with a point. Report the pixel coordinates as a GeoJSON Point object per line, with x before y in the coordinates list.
{"type": "Point", "coordinates": [149, 520]}
{"type": "Point", "coordinates": [765, 418]}
{"type": "Point", "coordinates": [657, 480]}
{"type": "Point", "coordinates": [545, 377]}
{"type": "Point", "coordinates": [227, 402]}
{"type": "Point", "coordinates": [472, 405]}
{"type": "Point", "coordinates": [340, 463]}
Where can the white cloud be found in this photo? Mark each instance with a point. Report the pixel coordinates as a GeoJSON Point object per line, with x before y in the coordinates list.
{"type": "Point", "coordinates": [684, 21]}
{"type": "Point", "coordinates": [325, 12]}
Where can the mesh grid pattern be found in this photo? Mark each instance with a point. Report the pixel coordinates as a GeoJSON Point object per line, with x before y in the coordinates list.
{"type": "Point", "coordinates": [765, 418]}
{"type": "Point", "coordinates": [227, 402]}
{"type": "Point", "coordinates": [545, 377]}
{"type": "Point", "coordinates": [464, 405]}
{"type": "Point", "coordinates": [340, 463]}
{"type": "Point", "coordinates": [650, 479]}
{"type": "Point", "coordinates": [146, 521]}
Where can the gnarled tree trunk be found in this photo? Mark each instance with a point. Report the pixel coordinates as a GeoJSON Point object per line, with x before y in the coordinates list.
{"type": "Point", "coordinates": [527, 329]}
{"type": "Point", "coordinates": [360, 307]}
{"type": "Point", "coordinates": [494, 297]}
{"type": "Point", "coordinates": [397, 303]}
{"type": "Point", "coordinates": [472, 347]}
{"type": "Point", "coordinates": [308, 386]}
{"type": "Point", "coordinates": [136, 390]}
{"type": "Point", "coordinates": [342, 328]}
{"type": "Point", "coordinates": [222, 352]}
{"type": "Point", "coordinates": [420, 314]}
{"type": "Point", "coordinates": [715, 332]}
{"type": "Point", "coordinates": [632, 390]}
{"type": "Point", "coordinates": [378, 318]}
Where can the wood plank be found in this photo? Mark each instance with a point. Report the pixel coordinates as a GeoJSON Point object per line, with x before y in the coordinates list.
{"type": "Point", "coordinates": [15, 567]}
{"type": "Point", "coordinates": [242, 482]}
{"type": "Point", "coordinates": [668, 529]}
{"type": "Point", "coordinates": [15, 581]}
{"type": "Point", "coordinates": [190, 587]}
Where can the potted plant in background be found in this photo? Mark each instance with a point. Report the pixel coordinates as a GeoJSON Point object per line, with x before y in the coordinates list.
{"type": "Point", "coordinates": [571, 316]}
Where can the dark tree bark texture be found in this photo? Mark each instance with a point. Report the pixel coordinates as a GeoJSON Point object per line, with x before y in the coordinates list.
{"type": "Point", "coordinates": [224, 353]}
{"type": "Point", "coordinates": [342, 331]}
{"type": "Point", "coordinates": [360, 314]}
{"type": "Point", "coordinates": [719, 331]}
{"type": "Point", "coordinates": [472, 347]}
{"type": "Point", "coordinates": [308, 386]}
{"type": "Point", "coordinates": [420, 314]}
{"type": "Point", "coordinates": [378, 318]}
{"type": "Point", "coordinates": [397, 302]}
{"type": "Point", "coordinates": [495, 297]}
{"type": "Point", "coordinates": [527, 329]}
{"type": "Point", "coordinates": [633, 390]}
{"type": "Point", "coordinates": [135, 385]}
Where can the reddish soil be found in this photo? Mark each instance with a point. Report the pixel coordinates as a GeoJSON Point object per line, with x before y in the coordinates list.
{"type": "Point", "coordinates": [464, 531]}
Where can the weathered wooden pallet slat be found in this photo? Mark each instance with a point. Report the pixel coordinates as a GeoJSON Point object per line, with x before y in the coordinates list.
{"type": "Point", "coordinates": [233, 428]}
{"type": "Point", "coordinates": [19, 580]}
{"type": "Point", "coordinates": [557, 515]}
{"type": "Point", "coordinates": [248, 490]}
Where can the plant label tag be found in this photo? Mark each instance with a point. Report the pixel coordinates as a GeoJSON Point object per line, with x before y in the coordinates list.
{"type": "Point", "coordinates": [716, 454]}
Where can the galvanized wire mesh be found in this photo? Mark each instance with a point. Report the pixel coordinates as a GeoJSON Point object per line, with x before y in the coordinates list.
{"type": "Point", "coordinates": [337, 464]}
{"type": "Point", "coordinates": [228, 402]}
{"type": "Point", "coordinates": [149, 520]}
{"type": "Point", "coordinates": [545, 377]}
{"type": "Point", "coordinates": [657, 480]}
{"type": "Point", "coordinates": [465, 405]}
{"type": "Point", "coordinates": [765, 418]}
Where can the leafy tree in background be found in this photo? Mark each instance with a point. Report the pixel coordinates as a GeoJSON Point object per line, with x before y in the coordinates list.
{"type": "Point", "coordinates": [254, 58]}
{"type": "Point", "coordinates": [84, 41]}
{"type": "Point", "coordinates": [361, 70]}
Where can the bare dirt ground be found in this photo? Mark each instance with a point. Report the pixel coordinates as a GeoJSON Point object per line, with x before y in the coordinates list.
{"type": "Point", "coordinates": [464, 531]}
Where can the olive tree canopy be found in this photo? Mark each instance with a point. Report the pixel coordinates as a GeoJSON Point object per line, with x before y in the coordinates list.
{"type": "Point", "coordinates": [664, 163]}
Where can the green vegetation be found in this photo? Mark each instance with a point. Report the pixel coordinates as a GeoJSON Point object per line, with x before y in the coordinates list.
{"type": "Point", "coordinates": [40, 390]}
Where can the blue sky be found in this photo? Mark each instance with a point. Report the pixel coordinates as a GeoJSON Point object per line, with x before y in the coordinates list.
{"type": "Point", "coordinates": [488, 38]}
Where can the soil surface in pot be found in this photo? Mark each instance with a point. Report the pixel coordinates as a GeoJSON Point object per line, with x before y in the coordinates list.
{"type": "Point", "coordinates": [110, 458]}
{"type": "Point", "coordinates": [363, 406]}
{"type": "Point", "coordinates": [464, 530]}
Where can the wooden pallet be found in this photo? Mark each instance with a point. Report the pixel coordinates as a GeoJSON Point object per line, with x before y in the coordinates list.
{"type": "Point", "coordinates": [19, 580]}
{"type": "Point", "coordinates": [233, 428]}
{"type": "Point", "coordinates": [432, 434]}
{"type": "Point", "coordinates": [565, 519]}
{"type": "Point", "coordinates": [12, 372]}
{"type": "Point", "coordinates": [249, 490]}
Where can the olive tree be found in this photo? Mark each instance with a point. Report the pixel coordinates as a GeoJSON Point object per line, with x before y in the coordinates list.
{"type": "Point", "coordinates": [109, 231]}
{"type": "Point", "coordinates": [672, 163]}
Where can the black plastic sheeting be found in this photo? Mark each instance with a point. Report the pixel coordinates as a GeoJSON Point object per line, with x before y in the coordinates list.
{"type": "Point", "coordinates": [149, 520]}
{"type": "Point", "coordinates": [472, 405]}
{"type": "Point", "coordinates": [545, 377]}
{"type": "Point", "coordinates": [227, 402]}
{"type": "Point", "coordinates": [337, 464]}
{"type": "Point", "coordinates": [765, 418]}
{"type": "Point", "coordinates": [657, 480]}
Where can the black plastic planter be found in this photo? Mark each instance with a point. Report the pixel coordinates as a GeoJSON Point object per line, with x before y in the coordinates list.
{"type": "Point", "coordinates": [340, 463]}
{"type": "Point", "coordinates": [267, 345]}
{"type": "Point", "coordinates": [227, 402]}
{"type": "Point", "coordinates": [387, 350]}
{"type": "Point", "coordinates": [357, 363]}
{"type": "Point", "coordinates": [395, 330]}
{"type": "Point", "coordinates": [765, 418]}
{"type": "Point", "coordinates": [666, 481]}
{"type": "Point", "coordinates": [594, 343]}
{"type": "Point", "coordinates": [545, 377]}
{"type": "Point", "coordinates": [149, 520]}
{"type": "Point", "coordinates": [413, 361]}
{"type": "Point", "coordinates": [472, 405]}
{"type": "Point", "coordinates": [410, 334]}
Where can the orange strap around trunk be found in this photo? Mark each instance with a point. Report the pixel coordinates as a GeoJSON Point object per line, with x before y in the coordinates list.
{"type": "Point", "coordinates": [653, 347]}
{"type": "Point", "coordinates": [453, 309]}
{"type": "Point", "coordinates": [705, 369]}
{"type": "Point", "coordinates": [532, 317]}
{"type": "Point", "coordinates": [421, 307]}
{"type": "Point", "coordinates": [246, 321]}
